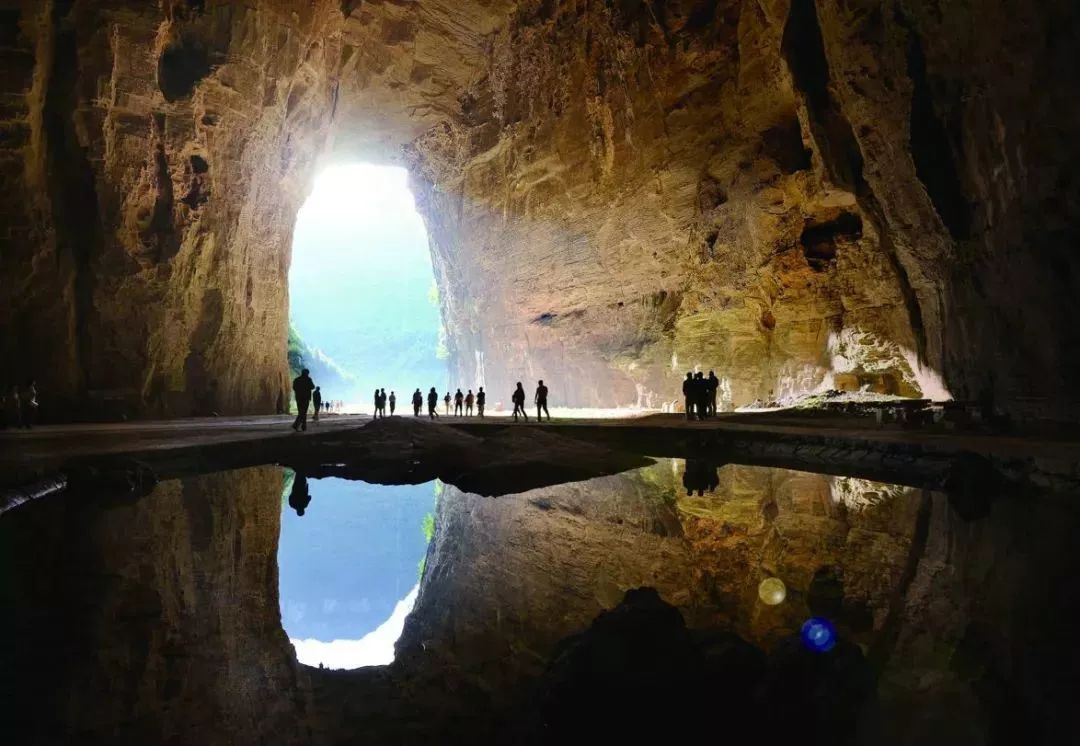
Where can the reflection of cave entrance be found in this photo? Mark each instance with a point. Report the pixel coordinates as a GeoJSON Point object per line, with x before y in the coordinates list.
{"type": "Point", "coordinates": [350, 557]}
{"type": "Point", "coordinates": [363, 305]}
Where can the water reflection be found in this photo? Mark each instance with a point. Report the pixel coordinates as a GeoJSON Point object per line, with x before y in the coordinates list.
{"type": "Point", "coordinates": [169, 618]}
{"type": "Point", "coordinates": [348, 561]}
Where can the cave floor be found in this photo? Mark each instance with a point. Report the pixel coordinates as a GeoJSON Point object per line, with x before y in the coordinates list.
{"type": "Point", "coordinates": [767, 438]}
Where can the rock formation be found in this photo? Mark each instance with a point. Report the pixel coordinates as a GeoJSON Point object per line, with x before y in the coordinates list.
{"type": "Point", "coordinates": [791, 192]}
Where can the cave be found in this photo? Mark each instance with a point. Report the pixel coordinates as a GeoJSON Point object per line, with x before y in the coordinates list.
{"type": "Point", "coordinates": [857, 223]}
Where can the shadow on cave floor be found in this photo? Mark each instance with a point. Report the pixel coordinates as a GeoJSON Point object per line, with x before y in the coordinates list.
{"type": "Point", "coordinates": [785, 605]}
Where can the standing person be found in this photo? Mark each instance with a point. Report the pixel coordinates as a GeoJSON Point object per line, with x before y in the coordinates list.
{"type": "Point", "coordinates": [302, 387]}
{"type": "Point", "coordinates": [714, 386]}
{"type": "Point", "coordinates": [688, 395]}
{"type": "Point", "coordinates": [30, 404]}
{"type": "Point", "coordinates": [382, 403]}
{"type": "Point", "coordinates": [432, 403]}
{"type": "Point", "coordinates": [519, 402]}
{"type": "Point", "coordinates": [446, 401]}
{"type": "Point", "coordinates": [701, 394]}
{"type": "Point", "coordinates": [541, 401]}
{"type": "Point", "coordinates": [316, 399]}
{"type": "Point", "coordinates": [481, 399]}
{"type": "Point", "coordinates": [417, 402]}
{"type": "Point", "coordinates": [459, 401]}
{"type": "Point", "coordinates": [469, 399]}
{"type": "Point", "coordinates": [300, 494]}
{"type": "Point", "coordinates": [375, 413]}
{"type": "Point", "coordinates": [393, 403]}
{"type": "Point", "coordinates": [12, 408]}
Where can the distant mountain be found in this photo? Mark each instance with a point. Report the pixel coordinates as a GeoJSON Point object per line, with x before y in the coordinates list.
{"type": "Point", "coordinates": [334, 381]}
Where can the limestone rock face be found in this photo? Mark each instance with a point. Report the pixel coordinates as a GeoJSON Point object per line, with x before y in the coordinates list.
{"type": "Point", "coordinates": [156, 155]}
{"type": "Point", "coordinates": [794, 193]}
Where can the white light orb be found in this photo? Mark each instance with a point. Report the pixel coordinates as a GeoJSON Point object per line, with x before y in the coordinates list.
{"type": "Point", "coordinates": [772, 591]}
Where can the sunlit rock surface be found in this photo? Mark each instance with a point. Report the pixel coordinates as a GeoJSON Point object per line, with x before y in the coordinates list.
{"type": "Point", "coordinates": [615, 192]}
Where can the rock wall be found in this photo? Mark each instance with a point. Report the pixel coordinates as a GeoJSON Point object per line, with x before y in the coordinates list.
{"type": "Point", "coordinates": [642, 187]}
{"type": "Point", "coordinates": [795, 193]}
{"type": "Point", "coordinates": [161, 151]}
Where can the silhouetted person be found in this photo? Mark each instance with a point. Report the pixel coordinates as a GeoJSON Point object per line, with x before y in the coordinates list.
{"type": "Point", "coordinates": [316, 400]}
{"type": "Point", "coordinates": [393, 403]}
{"type": "Point", "coordinates": [459, 403]}
{"type": "Point", "coordinates": [688, 395]}
{"type": "Point", "coordinates": [469, 399]}
{"type": "Point", "coordinates": [446, 401]}
{"type": "Point", "coordinates": [541, 401]}
{"type": "Point", "coordinates": [701, 395]}
{"type": "Point", "coordinates": [433, 403]}
{"type": "Point", "coordinates": [375, 402]}
{"type": "Point", "coordinates": [299, 496]}
{"type": "Point", "coordinates": [519, 402]}
{"type": "Point", "coordinates": [29, 404]}
{"type": "Point", "coordinates": [417, 402]}
{"type": "Point", "coordinates": [13, 408]}
{"type": "Point", "coordinates": [714, 387]}
{"type": "Point", "coordinates": [382, 403]}
{"type": "Point", "coordinates": [481, 400]}
{"type": "Point", "coordinates": [302, 387]}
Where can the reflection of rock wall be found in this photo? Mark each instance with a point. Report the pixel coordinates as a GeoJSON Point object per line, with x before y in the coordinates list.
{"type": "Point", "coordinates": [507, 578]}
{"type": "Point", "coordinates": [788, 524]}
{"type": "Point", "coordinates": [163, 622]}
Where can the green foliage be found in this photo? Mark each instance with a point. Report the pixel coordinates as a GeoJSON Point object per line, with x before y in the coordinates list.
{"type": "Point", "coordinates": [433, 294]}
{"type": "Point", "coordinates": [428, 527]}
{"type": "Point", "coordinates": [335, 382]}
{"type": "Point", "coordinates": [420, 567]}
{"type": "Point", "coordinates": [288, 476]}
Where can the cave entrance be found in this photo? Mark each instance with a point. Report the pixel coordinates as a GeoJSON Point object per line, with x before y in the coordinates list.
{"type": "Point", "coordinates": [363, 303]}
{"type": "Point", "coordinates": [350, 559]}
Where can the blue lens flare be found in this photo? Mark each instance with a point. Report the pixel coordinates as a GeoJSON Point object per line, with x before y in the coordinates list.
{"type": "Point", "coordinates": [818, 635]}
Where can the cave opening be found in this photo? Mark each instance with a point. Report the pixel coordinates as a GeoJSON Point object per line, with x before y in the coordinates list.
{"type": "Point", "coordinates": [364, 306]}
{"type": "Point", "coordinates": [350, 559]}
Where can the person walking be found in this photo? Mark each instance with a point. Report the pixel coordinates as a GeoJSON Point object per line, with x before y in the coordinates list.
{"type": "Point", "coordinates": [316, 400]}
{"type": "Point", "coordinates": [302, 387]}
{"type": "Point", "coordinates": [29, 404]}
{"type": "Point", "coordinates": [469, 399]}
{"type": "Point", "coordinates": [446, 402]}
{"type": "Point", "coordinates": [541, 401]}
{"type": "Point", "coordinates": [433, 403]}
{"type": "Point", "coordinates": [417, 402]}
{"type": "Point", "coordinates": [459, 403]}
{"type": "Point", "coordinates": [393, 403]}
{"type": "Point", "coordinates": [519, 402]}
{"type": "Point", "coordinates": [481, 399]}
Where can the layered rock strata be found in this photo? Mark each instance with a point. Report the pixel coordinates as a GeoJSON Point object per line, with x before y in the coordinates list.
{"type": "Point", "coordinates": [795, 193]}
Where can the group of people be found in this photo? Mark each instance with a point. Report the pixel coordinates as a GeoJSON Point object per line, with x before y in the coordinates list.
{"type": "Point", "coordinates": [463, 403]}
{"type": "Point", "coordinates": [309, 395]}
{"type": "Point", "coordinates": [19, 406]}
{"type": "Point", "coordinates": [700, 395]}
